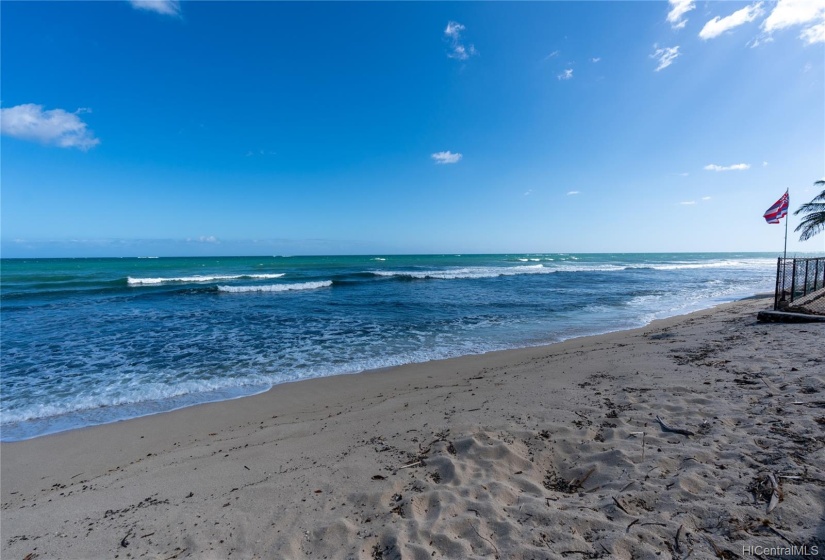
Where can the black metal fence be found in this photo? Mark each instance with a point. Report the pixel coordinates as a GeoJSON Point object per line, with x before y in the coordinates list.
{"type": "Point", "coordinates": [800, 285]}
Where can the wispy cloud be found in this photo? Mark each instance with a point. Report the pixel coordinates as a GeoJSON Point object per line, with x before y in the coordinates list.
{"type": "Point", "coordinates": [810, 14]}
{"type": "Point", "coordinates": [446, 157]}
{"type": "Point", "coordinates": [734, 167]}
{"type": "Point", "coordinates": [717, 25]}
{"type": "Point", "coordinates": [566, 75]}
{"type": "Point", "coordinates": [553, 54]}
{"type": "Point", "coordinates": [813, 34]}
{"type": "Point", "coordinates": [572, 193]}
{"type": "Point", "coordinates": [705, 198]}
{"type": "Point", "coordinates": [688, 203]}
{"type": "Point", "coordinates": [165, 7]}
{"type": "Point", "coordinates": [528, 192]}
{"type": "Point", "coordinates": [458, 50]}
{"type": "Point", "coordinates": [595, 59]}
{"type": "Point", "coordinates": [664, 56]}
{"type": "Point", "coordinates": [679, 8]}
{"type": "Point", "coordinates": [56, 126]}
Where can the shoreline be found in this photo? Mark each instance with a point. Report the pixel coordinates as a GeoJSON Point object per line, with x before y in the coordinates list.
{"type": "Point", "coordinates": [80, 425]}
{"type": "Point", "coordinates": [517, 453]}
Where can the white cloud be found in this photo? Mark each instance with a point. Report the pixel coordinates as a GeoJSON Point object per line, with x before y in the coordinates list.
{"type": "Point", "coordinates": [764, 164]}
{"type": "Point", "coordinates": [571, 193]}
{"type": "Point", "coordinates": [595, 59]}
{"type": "Point", "coordinates": [665, 56]}
{"type": "Point", "coordinates": [813, 34]}
{"type": "Point", "coordinates": [56, 126]}
{"type": "Point", "coordinates": [553, 54]}
{"type": "Point", "coordinates": [529, 192]}
{"type": "Point", "coordinates": [454, 29]}
{"type": "Point", "coordinates": [705, 198]}
{"type": "Point", "coordinates": [678, 8]}
{"type": "Point", "coordinates": [757, 41]}
{"type": "Point", "coordinates": [688, 203]}
{"type": "Point", "coordinates": [734, 167]}
{"type": "Point", "coordinates": [717, 25]}
{"type": "Point", "coordinates": [810, 14]}
{"type": "Point", "coordinates": [685, 174]}
{"type": "Point", "coordinates": [459, 50]}
{"type": "Point", "coordinates": [165, 7]}
{"type": "Point", "coordinates": [566, 75]}
{"type": "Point", "coordinates": [446, 157]}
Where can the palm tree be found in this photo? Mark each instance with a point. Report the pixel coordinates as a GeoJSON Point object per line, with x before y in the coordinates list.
{"type": "Point", "coordinates": [814, 221]}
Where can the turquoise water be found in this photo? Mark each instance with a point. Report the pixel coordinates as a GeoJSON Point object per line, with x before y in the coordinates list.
{"type": "Point", "coordinates": [87, 341]}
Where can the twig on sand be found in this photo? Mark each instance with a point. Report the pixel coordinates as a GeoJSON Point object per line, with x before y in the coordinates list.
{"type": "Point", "coordinates": [620, 506]}
{"type": "Point", "coordinates": [176, 554]}
{"type": "Point", "coordinates": [667, 428]}
{"type": "Point", "coordinates": [488, 540]}
{"type": "Point", "coordinates": [715, 548]}
{"type": "Point", "coordinates": [678, 532]}
{"type": "Point", "coordinates": [411, 465]}
{"type": "Point", "coordinates": [628, 485]}
{"type": "Point", "coordinates": [124, 542]}
{"type": "Point", "coordinates": [632, 523]}
{"type": "Point", "coordinates": [776, 492]}
{"type": "Point", "coordinates": [643, 441]}
{"type": "Point", "coordinates": [579, 482]}
{"type": "Point", "coordinates": [780, 535]}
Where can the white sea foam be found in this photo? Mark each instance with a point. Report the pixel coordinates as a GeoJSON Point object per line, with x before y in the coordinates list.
{"type": "Point", "coordinates": [199, 278]}
{"type": "Point", "coordinates": [729, 263]}
{"type": "Point", "coordinates": [276, 287]}
{"type": "Point", "coordinates": [465, 273]}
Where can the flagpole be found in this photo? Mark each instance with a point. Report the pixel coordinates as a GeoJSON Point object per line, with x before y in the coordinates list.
{"type": "Point", "coordinates": [785, 254]}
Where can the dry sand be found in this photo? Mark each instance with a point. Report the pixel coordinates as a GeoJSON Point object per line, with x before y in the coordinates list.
{"type": "Point", "coordinates": [551, 452]}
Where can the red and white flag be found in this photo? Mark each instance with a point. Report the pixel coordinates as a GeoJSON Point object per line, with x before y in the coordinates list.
{"type": "Point", "coordinates": [778, 210]}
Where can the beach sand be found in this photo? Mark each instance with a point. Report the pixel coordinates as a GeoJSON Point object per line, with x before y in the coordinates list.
{"type": "Point", "coordinates": [547, 452]}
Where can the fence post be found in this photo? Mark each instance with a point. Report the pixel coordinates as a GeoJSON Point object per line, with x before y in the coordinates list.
{"type": "Point", "coordinates": [805, 284]}
{"type": "Point", "coordinates": [793, 279]}
{"type": "Point", "coordinates": [776, 290]}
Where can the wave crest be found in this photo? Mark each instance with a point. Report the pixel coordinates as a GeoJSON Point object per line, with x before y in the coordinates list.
{"type": "Point", "coordinates": [200, 278]}
{"type": "Point", "coordinates": [276, 287]}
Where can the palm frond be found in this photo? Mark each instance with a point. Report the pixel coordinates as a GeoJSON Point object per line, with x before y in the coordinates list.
{"type": "Point", "coordinates": [814, 222]}
{"type": "Point", "coordinates": [811, 225]}
{"type": "Point", "coordinates": [811, 207]}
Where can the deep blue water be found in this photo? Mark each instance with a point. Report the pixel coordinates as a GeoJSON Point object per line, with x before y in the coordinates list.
{"type": "Point", "coordinates": [86, 341]}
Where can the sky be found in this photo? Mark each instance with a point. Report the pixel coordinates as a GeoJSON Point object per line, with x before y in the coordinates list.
{"type": "Point", "coordinates": [165, 128]}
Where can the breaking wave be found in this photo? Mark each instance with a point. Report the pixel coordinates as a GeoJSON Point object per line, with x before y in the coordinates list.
{"type": "Point", "coordinates": [276, 287]}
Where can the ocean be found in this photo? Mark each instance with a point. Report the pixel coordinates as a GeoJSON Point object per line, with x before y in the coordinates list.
{"type": "Point", "coordinates": [90, 341]}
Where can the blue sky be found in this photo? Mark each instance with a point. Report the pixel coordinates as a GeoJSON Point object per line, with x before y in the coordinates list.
{"type": "Point", "coordinates": [212, 128]}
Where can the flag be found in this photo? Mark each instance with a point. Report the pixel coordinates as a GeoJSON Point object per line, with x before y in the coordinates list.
{"type": "Point", "coordinates": [778, 210]}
